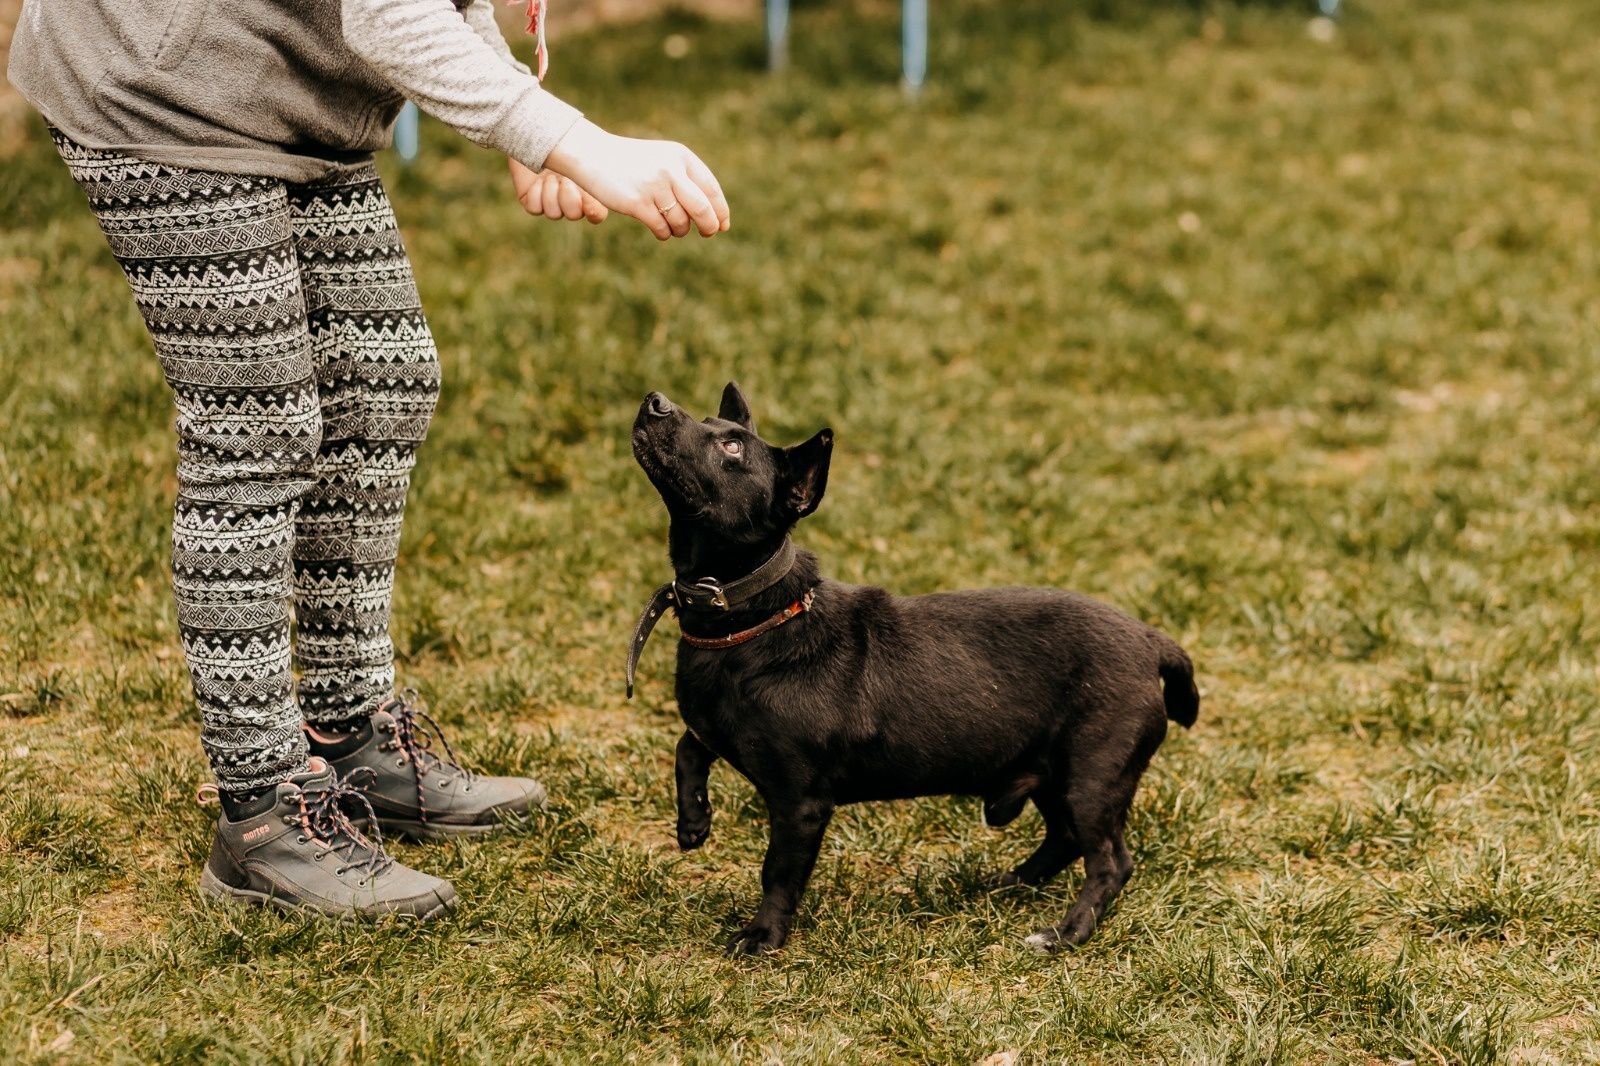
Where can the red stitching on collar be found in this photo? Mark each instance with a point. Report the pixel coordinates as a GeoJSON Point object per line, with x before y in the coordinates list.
{"type": "Point", "coordinates": [798, 607]}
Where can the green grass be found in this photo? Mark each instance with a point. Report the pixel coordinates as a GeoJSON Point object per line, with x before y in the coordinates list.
{"type": "Point", "coordinates": [1286, 346]}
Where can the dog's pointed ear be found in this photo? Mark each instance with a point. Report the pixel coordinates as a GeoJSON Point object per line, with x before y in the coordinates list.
{"type": "Point", "coordinates": [735, 408]}
{"type": "Point", "coordinates": [805, 475]}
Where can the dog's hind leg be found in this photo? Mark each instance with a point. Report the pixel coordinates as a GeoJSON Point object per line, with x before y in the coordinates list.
{"type": "Point", "coordinates": [1107, 867]}
{"type": "Point", "coordinates": [1055, 853]}
{"type": "Point", "coordinates": [1098, 800]}
{"type": "Point", "coordinates": [694, 803]}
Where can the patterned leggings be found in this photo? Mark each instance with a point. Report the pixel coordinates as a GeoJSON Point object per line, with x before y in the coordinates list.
{"type": "Point", "coordinates": [288, 325]}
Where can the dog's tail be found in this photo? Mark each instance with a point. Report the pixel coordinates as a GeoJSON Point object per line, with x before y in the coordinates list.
{"type": "Point", "coordinates": [1177, 684]}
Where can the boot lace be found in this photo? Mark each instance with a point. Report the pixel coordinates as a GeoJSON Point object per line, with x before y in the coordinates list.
{"type": "Point", "coordinates": [322, 819]}
{"type": "Point", "coordinates": [415, 730]}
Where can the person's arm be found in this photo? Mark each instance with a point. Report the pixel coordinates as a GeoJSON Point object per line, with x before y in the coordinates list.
{"type": "Point", "coordinates": [427, 50]}
{"type": "Point", "coordinates": [541, 192]}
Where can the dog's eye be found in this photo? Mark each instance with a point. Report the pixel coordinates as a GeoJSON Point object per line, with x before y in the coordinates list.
{"type": "Point", "coordinates": [732, 447]}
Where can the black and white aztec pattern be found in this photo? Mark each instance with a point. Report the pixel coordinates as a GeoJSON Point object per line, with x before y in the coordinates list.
{"type": "Point", "coordinates": [288, 325]}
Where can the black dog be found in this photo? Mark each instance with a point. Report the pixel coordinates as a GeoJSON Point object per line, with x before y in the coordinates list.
{"type": "Point", "coordinates": [823, 693]}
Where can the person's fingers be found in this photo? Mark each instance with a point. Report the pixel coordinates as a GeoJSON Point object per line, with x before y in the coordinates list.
{"type": "Point", "coordinates": [551, 192]}
{"type": "Point", "coordinates": [648, 213]}
{"type": "Point", "coordinates": [522, 194]}
{"type": "Point", "coordinates": [595, 211]}
{"type": "Point", "coordinates": [536, 194]}
{"type": "Point", "coordinates": [522, 180]}
{"type": "Point", "coordinates": [701, 175]}
{"type": "Point", "coordinates": [677, 218]}
{"type": "Point", "coordinates": [695, 204]}
{"type": "Point", "coordinates": [571, 198]}
{"type": "Point", "coordinates": [533, 196]}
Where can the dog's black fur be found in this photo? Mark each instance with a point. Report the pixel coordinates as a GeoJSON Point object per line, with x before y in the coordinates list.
{"type": "Point", "coordinates": [1011, 695]}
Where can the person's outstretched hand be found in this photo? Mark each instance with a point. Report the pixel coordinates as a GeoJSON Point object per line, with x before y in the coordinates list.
{"type": "Point", "coordinates": [544, 192]}
{"type": "Point", "coordinates": [660, 183]}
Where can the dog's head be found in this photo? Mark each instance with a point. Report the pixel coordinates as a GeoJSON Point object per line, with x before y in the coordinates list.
{"type": "Point", "coordinates": [720, 478]}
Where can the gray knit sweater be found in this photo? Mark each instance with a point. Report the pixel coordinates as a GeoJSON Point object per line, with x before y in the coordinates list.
{"type": "Point", "coordinates": [293, 90]}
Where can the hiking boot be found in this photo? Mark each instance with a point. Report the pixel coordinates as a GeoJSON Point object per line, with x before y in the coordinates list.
{"type": "Point", "coordinates": [417, 793]}
{"type": "Point", "coordinates": [300, 852]}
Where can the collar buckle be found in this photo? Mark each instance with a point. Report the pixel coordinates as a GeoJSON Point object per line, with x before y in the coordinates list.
{"type": "Point", "coordinates": [712, 593]}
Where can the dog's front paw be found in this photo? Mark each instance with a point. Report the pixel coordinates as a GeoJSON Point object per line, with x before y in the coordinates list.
{"type": "Point", "coordinates": [755, 938]}
{"type": "Point", "coordinates": [692, 832]}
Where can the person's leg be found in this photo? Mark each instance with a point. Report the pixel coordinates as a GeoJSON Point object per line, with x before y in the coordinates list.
{"type": "Point", "coordinates": [378, 375]}
{"type": "Point", "coordinates": [213, 270]}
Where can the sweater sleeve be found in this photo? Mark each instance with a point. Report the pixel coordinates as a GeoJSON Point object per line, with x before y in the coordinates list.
{"type": "Point", "coordinates": [441, 61]}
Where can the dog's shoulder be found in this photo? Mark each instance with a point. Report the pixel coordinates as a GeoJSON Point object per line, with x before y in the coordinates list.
{"type": "Point", "coordinates": [857, 608]}
{"type": "Point", "coordinates": [841, 595]}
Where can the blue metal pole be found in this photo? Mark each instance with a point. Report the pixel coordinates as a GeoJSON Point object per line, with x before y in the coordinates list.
{"type": "Point", "coordinates": [914, 42]}
{"type": "Point", "coordinates": [777, 34]}
{"type": "Point", "coordinates": [405, 133]}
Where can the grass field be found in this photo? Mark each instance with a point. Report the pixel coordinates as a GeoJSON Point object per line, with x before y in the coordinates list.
{"type": "Point", "coordinates": [1286, 345]}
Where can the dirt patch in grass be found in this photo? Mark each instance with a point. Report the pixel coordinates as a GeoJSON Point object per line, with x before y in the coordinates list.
{"type": "Point", "coordinates": [17, 273]}
{"type": "Point", "coordinates": [121, 914]}
{"type": "Point", "coordinates": [1547, 1035]}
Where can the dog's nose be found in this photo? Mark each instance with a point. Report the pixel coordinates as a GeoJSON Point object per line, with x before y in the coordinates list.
{"type": "Point", "coordinates": [658, 405]}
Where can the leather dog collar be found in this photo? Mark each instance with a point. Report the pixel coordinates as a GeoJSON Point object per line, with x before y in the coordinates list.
{"type": "Point", "coordinates": [712, 595]}
{"type": "Point", "coordinates": [709, 594]}
{"type": "Point", "coordinates": [800, 606]}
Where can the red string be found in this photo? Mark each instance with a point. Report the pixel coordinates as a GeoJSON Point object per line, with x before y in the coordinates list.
{"type": "Point", "coordinates": [536, 21]}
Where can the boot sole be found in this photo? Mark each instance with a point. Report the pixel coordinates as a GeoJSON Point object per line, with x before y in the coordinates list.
{"type": "Point", "coordinates": [412, 829]}
{"type": "Point", "coordinates": [426, 831]}
{"type": "Point", "coordinates": [216, 891]}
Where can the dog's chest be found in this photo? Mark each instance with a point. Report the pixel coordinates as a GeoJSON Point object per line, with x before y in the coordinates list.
{"type": "Point", "coordinates": [711, 713]}
{"type": "Point", "coordinates": [709, 727]}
